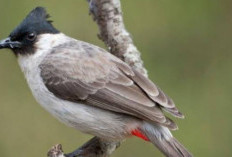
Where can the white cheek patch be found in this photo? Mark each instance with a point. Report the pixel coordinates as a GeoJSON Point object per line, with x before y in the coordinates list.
{"type": "Point", "coordinates": [48, 41]}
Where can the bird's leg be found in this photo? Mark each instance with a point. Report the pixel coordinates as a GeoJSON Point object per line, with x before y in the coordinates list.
{"type": "Point", "coordinates": [95, 147]}
{"type": "Point", "coordinates": [56, 151]}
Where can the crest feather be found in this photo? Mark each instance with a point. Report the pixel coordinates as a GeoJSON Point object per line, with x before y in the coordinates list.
{"type": "Point", "coordinates": [38, 14]}
{"type": "Point", "coordinates": [36, 21]}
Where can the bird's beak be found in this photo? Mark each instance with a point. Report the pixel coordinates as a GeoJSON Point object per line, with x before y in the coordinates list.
{"type": "Point", "coordinates": [7, 43]}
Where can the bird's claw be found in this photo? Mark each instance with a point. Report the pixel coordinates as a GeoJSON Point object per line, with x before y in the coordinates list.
{"type": "Point", "coordinates": [56, 151]}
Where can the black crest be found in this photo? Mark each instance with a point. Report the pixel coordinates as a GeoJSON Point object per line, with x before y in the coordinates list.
{"type": "Point", "coordinates": [36, 21]}
{"type": "Point", "coordinates": [25, 35]}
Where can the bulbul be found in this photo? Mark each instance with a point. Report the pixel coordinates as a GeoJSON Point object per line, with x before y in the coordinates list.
{"type": "Point", "coordinates": [89, 89]}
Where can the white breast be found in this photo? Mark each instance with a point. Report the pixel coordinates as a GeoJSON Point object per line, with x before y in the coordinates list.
{"type": "Point", "coordinates": [82, 117]}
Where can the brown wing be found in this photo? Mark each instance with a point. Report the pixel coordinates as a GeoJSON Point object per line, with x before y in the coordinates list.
{"type": "Point", "coordinates": [85, 73]}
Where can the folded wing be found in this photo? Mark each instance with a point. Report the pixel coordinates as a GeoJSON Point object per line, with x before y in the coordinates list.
{"type": "Point", "coordinates": [87, 74]}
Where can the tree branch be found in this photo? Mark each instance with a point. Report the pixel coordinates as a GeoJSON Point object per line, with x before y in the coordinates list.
{"type": "Point", "coordinates": [108, 16]}
{"type": "Point", "coordinates": [95, 147]}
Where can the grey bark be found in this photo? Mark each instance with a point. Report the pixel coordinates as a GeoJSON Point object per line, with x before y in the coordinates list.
{"type": "Point", "coordinates": [108, 16]}
{"type": "Point", "coordinates": [95, 147]}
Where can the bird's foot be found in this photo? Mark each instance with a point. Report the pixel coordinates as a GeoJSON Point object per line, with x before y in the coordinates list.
{"type": "Point", "coordinates": [56, 151]}
{"type": "Point", "coordinates": [95, 147]}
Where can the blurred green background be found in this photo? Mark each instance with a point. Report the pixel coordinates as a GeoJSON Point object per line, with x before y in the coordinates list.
{"type": "Point", "coordinates": [186, 47]}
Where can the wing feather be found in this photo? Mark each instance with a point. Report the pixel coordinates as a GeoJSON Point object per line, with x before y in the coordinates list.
{"type": "Point", "coordinates": [100, 79]}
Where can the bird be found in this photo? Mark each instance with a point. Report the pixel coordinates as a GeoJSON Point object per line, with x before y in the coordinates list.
{"type": "Point", "coordinates": [89, 89]}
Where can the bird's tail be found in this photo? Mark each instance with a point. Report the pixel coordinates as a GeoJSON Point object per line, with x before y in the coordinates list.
{"type": "Point", "coordinates": [162, 138]}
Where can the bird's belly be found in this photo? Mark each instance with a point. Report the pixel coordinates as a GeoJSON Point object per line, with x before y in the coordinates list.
{"type": "Point", "coordinates": [89, 119]}
{"type": "Point", "coordinates": [86, 118]}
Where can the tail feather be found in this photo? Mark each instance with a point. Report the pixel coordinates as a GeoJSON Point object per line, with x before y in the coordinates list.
{"type": "Point", "coordinates": [162, 138]}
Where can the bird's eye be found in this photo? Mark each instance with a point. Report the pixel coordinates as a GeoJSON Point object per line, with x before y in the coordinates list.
{"type": "Point", "coordinates": [31, 36]}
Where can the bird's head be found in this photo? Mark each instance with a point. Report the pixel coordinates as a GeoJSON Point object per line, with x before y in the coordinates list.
{"type": "Point", "coordinates": [23, 38]}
